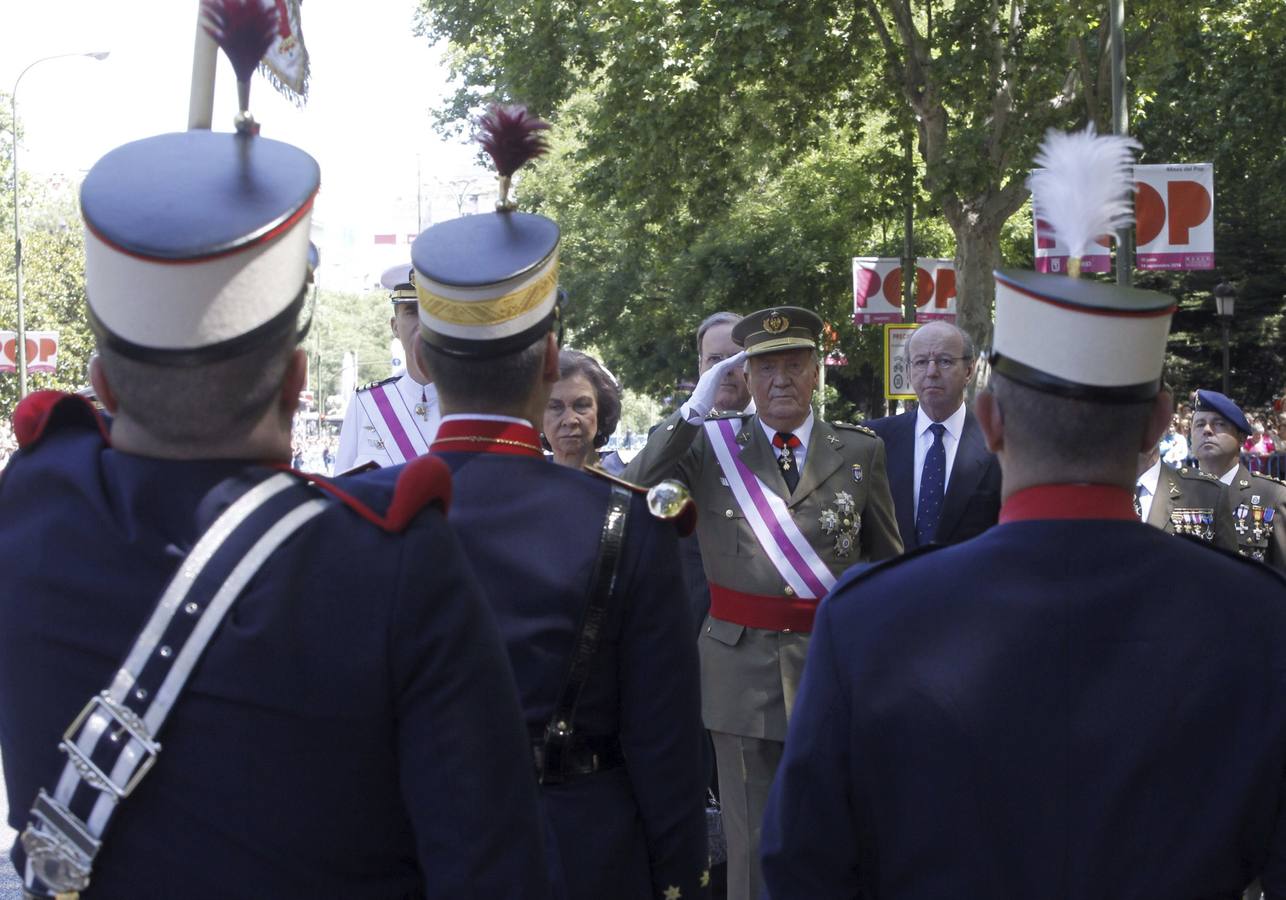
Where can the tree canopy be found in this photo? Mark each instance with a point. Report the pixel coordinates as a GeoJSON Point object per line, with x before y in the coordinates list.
{"type": "Point", "coordinates": [728, 154]}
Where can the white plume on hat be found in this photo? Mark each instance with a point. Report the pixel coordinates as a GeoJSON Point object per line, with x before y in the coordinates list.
{"type": "Point", "coordinates": [1083, 186]}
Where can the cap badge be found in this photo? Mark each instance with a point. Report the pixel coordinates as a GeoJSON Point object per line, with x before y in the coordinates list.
{"type": "Point", "coordinates": [776, 323]}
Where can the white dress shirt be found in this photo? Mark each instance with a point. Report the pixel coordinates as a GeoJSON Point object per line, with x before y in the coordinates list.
{"type": "Point", "coordinates": [1148, 481]}
{"type": "Point", "coordinates": [803, 432]}
{"type": "Point", "coordinates": [954, 425]}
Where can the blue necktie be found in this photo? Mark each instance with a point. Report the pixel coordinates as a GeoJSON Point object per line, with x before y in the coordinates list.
{"type": "Point", "coordinates": [933, 484]}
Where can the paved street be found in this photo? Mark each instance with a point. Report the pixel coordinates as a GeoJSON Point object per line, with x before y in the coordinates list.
{"type": "Point", "coordinates": [10, 889]}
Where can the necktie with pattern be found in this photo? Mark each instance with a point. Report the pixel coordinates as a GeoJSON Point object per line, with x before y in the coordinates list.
{"type": "Point", "coordinates": [1139, 491]}
{"type": "Point", "coordinates": [786, 443]}
{"type": "Point", "coordinates": [933, 484]}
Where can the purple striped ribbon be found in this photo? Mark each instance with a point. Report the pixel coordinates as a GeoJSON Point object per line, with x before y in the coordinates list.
{"type": "Point", "coordinates": [755, 489]}
{"type": "Point", "coordinates": [394, 423]}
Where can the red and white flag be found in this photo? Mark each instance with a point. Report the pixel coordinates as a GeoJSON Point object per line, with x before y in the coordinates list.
{"type": "Point", "coordinates": [286, 62]}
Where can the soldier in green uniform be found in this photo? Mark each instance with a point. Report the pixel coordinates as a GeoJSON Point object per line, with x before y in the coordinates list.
{"type": "Point", "coordinates": [1219, 428]}
{"type": "Point", "coordinates": [1184, 501]}
{"type": "Point", "coordinates": [787, 503]}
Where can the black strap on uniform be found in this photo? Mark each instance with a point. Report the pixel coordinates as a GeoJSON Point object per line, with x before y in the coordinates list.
{"type": "Point", "coordinates": [553, 755]}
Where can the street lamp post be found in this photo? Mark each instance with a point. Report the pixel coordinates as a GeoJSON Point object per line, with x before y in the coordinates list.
{"type": "Point", "coordinates": [17, 232]}
{"type": "Point", "coordinates": [1225, 301]}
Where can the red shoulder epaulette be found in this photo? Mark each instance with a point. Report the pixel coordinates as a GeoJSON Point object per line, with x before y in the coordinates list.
{"type": "Point", "coordinates": [423, 481]}
{"type": "Point", "coordinates": [45, 410]}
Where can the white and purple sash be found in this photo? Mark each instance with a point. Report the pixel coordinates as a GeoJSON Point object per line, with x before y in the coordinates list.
{"type": "Point", "coordinates": [394, 422]}
{"type": "Point", "coordinates": [789, 551]}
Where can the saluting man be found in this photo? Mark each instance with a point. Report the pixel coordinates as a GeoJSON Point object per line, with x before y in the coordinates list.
{"type": "Point", "coordinates": [1071, 704]}
{"type": "Point", "coordinates": [787, 503]}
{"type": "Point", "coordinates": [394, 420]}
{"type": "Point", "coordinates": [1219, 429]}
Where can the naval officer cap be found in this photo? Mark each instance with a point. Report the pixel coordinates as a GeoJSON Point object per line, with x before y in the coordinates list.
{"type": "Point", "coordinates": [196, 243]}
{"type": "Point", "coordinates": [1220, 404]}
{"type": "Point", "coordinates": [488, 284]}
{"type": "Point", "coordinates": [778, 328]}
{"type": "Point", "coordinates": [1076, 337]}
{"type": "Point", "coordinates": [399, 281]}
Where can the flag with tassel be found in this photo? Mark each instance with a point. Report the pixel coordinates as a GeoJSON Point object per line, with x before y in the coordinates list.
{"type": "Point", "coordinates": [285, 65]}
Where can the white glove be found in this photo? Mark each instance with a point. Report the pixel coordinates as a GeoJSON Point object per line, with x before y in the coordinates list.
{"type": "Point", "coordinates": [698, 406]}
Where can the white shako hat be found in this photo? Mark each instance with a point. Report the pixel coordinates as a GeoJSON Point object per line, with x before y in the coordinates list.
{"type": "Point", "coordinates": [196, 243]}
{"type": "Point", "coordinates": [1079, 338]}
{"type": "Point", "coordinates": [1070, 336]}
{"type": "Point", "coordinates": [399, 281]}
{"type": "Point", "coordinates": [488, 284]}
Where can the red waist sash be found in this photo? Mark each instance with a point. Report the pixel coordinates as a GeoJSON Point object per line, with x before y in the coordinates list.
{"type": "Point", "coordinates": [758, 611]}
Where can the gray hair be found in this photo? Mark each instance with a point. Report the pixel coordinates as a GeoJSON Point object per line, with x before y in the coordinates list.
{"type": "Point", "coordinates": [719, 318]}
{"type": "Point", "coordinates": [193, 405]}
{"type": "Point", "coordinates": [970, 351]}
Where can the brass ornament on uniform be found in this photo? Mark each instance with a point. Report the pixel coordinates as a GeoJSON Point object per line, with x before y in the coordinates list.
{"type": "Point", "coordinates": [842, 522]}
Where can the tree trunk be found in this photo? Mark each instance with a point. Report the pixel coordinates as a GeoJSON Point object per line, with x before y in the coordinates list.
{"type": "Point", "coordinates": [977, 255]}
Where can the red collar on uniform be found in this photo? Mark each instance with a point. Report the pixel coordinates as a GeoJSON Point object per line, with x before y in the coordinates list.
{"type": "Point", "coordinates": [1069, 501]}
{"type": "Point", "coordinates": [487, 436]}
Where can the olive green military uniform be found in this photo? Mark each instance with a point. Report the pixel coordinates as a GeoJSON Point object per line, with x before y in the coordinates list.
{"type": "Point", "coordinates": [749, 676]}
{"type": "Point", "coordinates": [1259, 508]}
{"type": "Point", "coordinates": [1188, 501]}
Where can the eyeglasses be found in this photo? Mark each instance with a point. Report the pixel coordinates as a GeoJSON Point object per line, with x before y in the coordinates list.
{"type": "Point", "coordinates": [944, 363]}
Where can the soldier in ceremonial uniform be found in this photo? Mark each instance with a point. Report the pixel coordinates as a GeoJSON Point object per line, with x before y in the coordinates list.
{"type": "Point", "coordinates": [787, 502]}
{"type": "Point", "coordinates": [1219, 428]}
{"type": "Point", "coordinates": [1072, 704]}
{"type": "Point", "coordinates": [581, 569]}
{"type": "Point", "coordinates": [321, 706]}
{"type": "Point", "coordinates": [1184, 501]}
{"type": "Point", "coordinates": [394, 420]}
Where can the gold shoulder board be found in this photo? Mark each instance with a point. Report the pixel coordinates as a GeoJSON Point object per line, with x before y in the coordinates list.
{"type": "Point", "coordinates": [861, 428]}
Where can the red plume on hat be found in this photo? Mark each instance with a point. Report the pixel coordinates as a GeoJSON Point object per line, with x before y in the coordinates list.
{"type": "Point", "coordinates": [511, 136]}
{"type": "Point", "coordinates": [245, 29]}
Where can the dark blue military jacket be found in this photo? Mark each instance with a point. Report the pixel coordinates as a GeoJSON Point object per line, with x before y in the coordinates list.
{"type": "Point", "coordinates": [532, 531]}
{"type": "Point", "coordinates": [1079, 709]}
{"type": "Point", "coordinates": [351, 732]}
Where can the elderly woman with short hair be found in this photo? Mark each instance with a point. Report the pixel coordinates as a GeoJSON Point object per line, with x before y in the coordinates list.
{"type": "Point", "coordinates": [583, 411]}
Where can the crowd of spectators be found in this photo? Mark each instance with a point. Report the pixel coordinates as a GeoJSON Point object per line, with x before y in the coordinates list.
{"type": "Point", "coordinates": [311, 451]}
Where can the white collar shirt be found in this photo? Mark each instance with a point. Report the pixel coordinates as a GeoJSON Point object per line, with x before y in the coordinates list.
{"type": "Point", "coordinates": [804, 432]}
{"type": "Point", "coordinates": [954, 428]}
{"type": "Point", "coordinates": [1149, 481]}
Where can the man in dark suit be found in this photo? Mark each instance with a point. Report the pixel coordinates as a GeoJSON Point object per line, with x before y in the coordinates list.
{"type": "Point", "coordinates": [945, 483]}
{"type": "Point", "coordinates": [1073, 704]}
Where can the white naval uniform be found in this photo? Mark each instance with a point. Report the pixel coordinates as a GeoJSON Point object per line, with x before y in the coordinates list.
{"type": "Point", "coordinates": [408, 416]}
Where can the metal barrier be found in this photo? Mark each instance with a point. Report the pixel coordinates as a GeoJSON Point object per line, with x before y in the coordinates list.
{"type": "Point", "coordinates": [1273, 465]}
